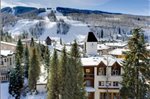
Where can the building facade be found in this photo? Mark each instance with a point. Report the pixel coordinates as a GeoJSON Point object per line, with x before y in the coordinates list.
{"type": "Point", "coordinates": [7, 61]}
{"type": "Point", "coordinates": [102, 77]}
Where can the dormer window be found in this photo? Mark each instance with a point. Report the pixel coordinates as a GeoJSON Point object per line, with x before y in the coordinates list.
{"type": "Point", "coordinates": [101, 69]}
{"type": "Point", "coordinates": [116, 70]}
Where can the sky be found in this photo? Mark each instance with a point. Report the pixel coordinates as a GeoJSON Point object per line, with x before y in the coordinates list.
{"type": "Point", "coordinates": [136, 7]}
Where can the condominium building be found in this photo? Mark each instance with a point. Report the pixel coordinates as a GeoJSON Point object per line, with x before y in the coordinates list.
{"type": "Point", "coordinates": [102, 76]}
{"type": "Point", "coordinates": [102, 73]}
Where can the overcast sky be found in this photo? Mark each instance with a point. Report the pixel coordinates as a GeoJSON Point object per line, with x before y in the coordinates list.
{"type": "Point", "coordinates": [138, 7]}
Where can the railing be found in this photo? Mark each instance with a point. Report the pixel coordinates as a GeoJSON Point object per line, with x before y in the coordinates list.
{"type": "Point", "coordinates": [88, 75]}
{"type": "Point", "coordinates": [3, 78]}
{"type": "Point", "coordinates": [109, 87]}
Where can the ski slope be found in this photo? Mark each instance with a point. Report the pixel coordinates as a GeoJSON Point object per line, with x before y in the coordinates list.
{"type": "Point", "coordinates": [78, 30]}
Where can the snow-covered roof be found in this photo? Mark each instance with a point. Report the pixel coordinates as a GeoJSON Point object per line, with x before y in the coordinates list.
{"type": "Point", "coordinates": [7, 43]}
{"type": "Point", "coordinates": [6, 52]}
{"type": "Point", "coordinates": [108, 60]}
{"type": "Point", "coordinates": [102, 47]}
{"type": "Point", "coordinates": [89, 89]}
{"type": "Point", "coordinates": [119, 44]}
{"type": "Point", "coordinates": [91, 61]}
{"type": "Point", "coordinates": [118, 51]}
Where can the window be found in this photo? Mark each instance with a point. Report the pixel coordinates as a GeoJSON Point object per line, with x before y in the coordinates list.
{"type": "Point", "coordinates": [101, 83]}
{"type": "Point", "coordinates": [5, 59]}
{"type": "Point", "coordinates": [115, 83]}
{"type": "Point", "coordinates": [2, 62]}
{"type": "Point", "coordinates": [115, 72]}
{"type": "Point", "coordinates": [108, 83]}
{"type": "Point", "coordinates": [87, 70]}
{"type": "Point", "coordinates": [101, 71]}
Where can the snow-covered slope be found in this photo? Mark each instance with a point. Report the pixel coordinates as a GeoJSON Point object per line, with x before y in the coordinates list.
{"type": "Point", "coordinates": [77, 30]}
{"type": "Point", "coordinates": [70, 24]}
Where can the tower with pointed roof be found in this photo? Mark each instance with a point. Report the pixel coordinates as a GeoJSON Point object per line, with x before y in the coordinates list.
{"type": "Point", "coordinates": [91, 44]}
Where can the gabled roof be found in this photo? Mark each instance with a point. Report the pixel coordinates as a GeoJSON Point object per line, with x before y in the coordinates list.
{"type": "Point", "coordinates": [107, 60]}
{"type": "Point", "coordinates": [91, 37]}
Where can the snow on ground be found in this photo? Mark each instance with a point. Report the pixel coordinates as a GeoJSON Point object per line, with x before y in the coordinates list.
{"type": "Point", "coordinates": [4, 94]}
{"type": "Point", "coordinates": [78, 30]}
{"type": "Point", "coordinates": [21, 26]}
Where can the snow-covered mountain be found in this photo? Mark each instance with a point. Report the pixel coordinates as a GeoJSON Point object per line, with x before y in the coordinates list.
{"type": "Point", "coordinates": [43, 26]}
{"type": "Point", "coordinates": [69, 24]}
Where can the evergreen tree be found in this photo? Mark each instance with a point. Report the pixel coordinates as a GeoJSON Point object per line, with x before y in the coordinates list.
{"type": "Point", "coordinates": [77, 91]}
{"type": "Point", "coordinates": [19, 50]}
{"type": "Point", "coordinates": [32, 44]}
{"type": "Point", "coordinates": [65, 71]}
{"type": "Point", "coordinates": [47, 59]}
{"type": "Point", "coordinates": [16, 80]}
{"type": "Point", "coordinates": [53, 80]}
{"type": "Point", "coordinates": [34, 70]}
{"type": "Point", "coordinates": [26, 61]}
{"type": "Point", "coordinates": [136, 68]}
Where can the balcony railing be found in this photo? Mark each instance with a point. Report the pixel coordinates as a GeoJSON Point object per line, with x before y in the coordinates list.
{"type": "Point", "coordinates": [88, 75]}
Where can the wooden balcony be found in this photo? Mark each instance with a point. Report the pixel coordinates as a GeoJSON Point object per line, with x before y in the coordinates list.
{"type": "Point", "coordinates": [88, 76]}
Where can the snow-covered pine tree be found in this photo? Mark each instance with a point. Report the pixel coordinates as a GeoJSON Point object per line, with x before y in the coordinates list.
{"type": "Point", "coordinates": [53, 78]}
{"type": "Point", "coordinates": [16, 79]}
{"type": "Point", "coordinates": [34, 71]}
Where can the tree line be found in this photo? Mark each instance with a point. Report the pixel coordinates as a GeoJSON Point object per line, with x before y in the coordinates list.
{"type": "Point", "coordinates": [65, 74]}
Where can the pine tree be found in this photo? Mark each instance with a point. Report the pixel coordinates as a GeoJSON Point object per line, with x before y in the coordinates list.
{"type": "Point", "coordinates": [77, 91]}
{"type": "Point", "coordinates": [65, 81]}
{"type": "Point", "coordinates": [19, 50]}
{"type": "Point", "coordinates": [16, 80]}
{"type": "Point", "coordinates": [136, 68]}
{"type": "Point", "coordinates": [26, 61]}
{"type": "Point", "coordinates": [47, 59]}
{"type": "Point", "coordinates": [53, 80]}
{"type": "Point", "coordinates": [34, 70]}
{"type": "Point", "coordinates": [32, 44]}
